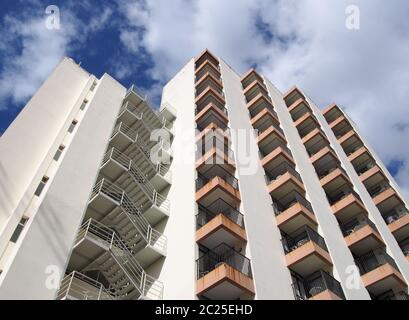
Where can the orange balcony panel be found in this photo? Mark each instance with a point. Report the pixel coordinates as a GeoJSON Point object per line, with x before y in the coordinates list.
{"type": "Point", "coordinates": [224, 282]}
{"type": "Point", "coordinates": [372, 176]}
{"type": "Point", "coordinates": [295, 217]}
{"type": "Point", "coordinates": [363, 239]}
{"type": "Point", "coordinates": [212, 130]}
{"type": "Point", "coordinates": [284, 184]}
{"type": "Point", "coordinates": [276, 157]}
{"type": "Point", "coordinates": [217, 188]}
{"type": "Point", "coordinates": [206, 55]}
{"type": "Point", "coordinates": [262, 116]}
{"type": "Point", "coordinates": [293, 95]}
{"type": "Point", "coordinates": [207, 93]}
{"type": "Point", "coordinates": [308, 258]}
{"type": "Point", "coordinates": [211, 108]}
{"type": "Point", "coordinates": [335, 179]}
{"type": "Point", "coordinates": [216, 156]}
{"type": "Point", "coordinates": [387, 199]}
{"type": "Point", "coordinates": [346, 208]}
{"type": "Point", "coordinates": [382, 279]}
{"type": "Point", "coordinates": [323, 153]}
{"type": "Point", "coordinates": [326, 295]}
{"type": "Point", "coordinates": [400, 227]}
{"type": "Point", "coordinates": [270, 133]}
{"type": "Point", "coordinates": [220, 230]}
{"type": "Point", "coordinates": [249, 77]}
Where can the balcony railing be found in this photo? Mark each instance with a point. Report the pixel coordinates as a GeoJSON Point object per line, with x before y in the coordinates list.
{"type": "Point", "coordinates": [216, 171]}
{"type": "Point", "coordinates": [341, 195]}
{"type": "Point", "coordinates": [294, 197]}
{"type": "Point", "coordinates": [274, 125]}
{"type": "Point", "coordinates": [390, 295]}
{"type": "Point", "coordinates": [281, 145]}
{"type": "Point", "coordinates": [372, 260]}
{"type": "Point", "coordinates": [81, 287]}
{"type": "Point", "coordinates": [281, 170]}
{"type": "Point", "coordinates": [301, 237]}
{"type": "Point", "coordinates": [356, 224]}
{"type": "Point", "coordinates": [219, 206]}
{"type": "Point", "coordinates": [404, 245]}
{"type": "Point", "coordinates": [369, 164]}
{"type": "Point", "coordinates": [214, 141]}
{"type": "Point", "coordinates": [315, 284]}
{"type": "Point", "coordinates": [219, 255]}
{"type": "Point", "coordinates": [323, 173]}
{"type": "Point", "coordinates": [222, 109]}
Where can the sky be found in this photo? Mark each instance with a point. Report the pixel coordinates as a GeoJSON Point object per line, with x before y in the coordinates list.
{"type": "Point", "coordinates": [308, 43]}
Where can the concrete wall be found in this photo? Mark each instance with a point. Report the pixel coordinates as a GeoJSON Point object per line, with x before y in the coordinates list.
{"type": "Point", "coordinates": [328, 225]}
{"type": "Point", "coordinates": [272, 278]}
{"type": "Point", "coordinates": [179, 269]}
{"type": "Point", "coordinates": [48, 238]}
{"type": "Point", "coordinates": [28, 145]}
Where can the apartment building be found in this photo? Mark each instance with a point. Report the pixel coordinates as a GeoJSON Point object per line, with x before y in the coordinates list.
{"type": "Point", "coordinates": [230, 190]}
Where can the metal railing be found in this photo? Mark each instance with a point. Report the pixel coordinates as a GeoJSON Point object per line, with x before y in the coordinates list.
{"type": "Point", "coordinates": [390, 295]}
{"type": "Point", "coordinates": [300, 237]}
{"type": "Point", "coordinates": [292, 198]}
{"type": "Point", "coordinates": [274, 125]}
{"type": "Point", "coordinates": [219, 255]}
{"type": "Point", "coordinates": [315, 284]}
{"type": "Point", "coordinates": [214, 141]}
{"type": "Point", "coordinates": [81, 287]}
{"type": "Point", "coordinates": [339, 195]}
{"type": "Point", "coordinates": [219, 206]}
{"type": "Point", "coordinates": [377, 190]}
{"type": "Point", "coordinates": [356, 224]}
{"type": "Point", "coordinates": [216, 171]}
{"type": "Point", "coordinates": [325, 172]}
{"type": "Point", "coordinates": [367, 165]}
{"type": "Point", "coordinates": [372, 260]}
{"type": "Point", "coordinates": [278, 145]}
{"type": "Point", "coordinates": [281, 170]}
{"type": "Point", "coordinates": [150, 235]}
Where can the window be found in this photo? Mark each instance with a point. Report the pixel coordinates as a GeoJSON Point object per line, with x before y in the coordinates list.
{"type": "Point", "coordinates": [18, 230]}
{"type": "Point", "coordinates": [72, 126]}
{"type": "Point", "coordinates": [59, 152]}
{"type": "Point", "coordinates": [84, 104]}
{"type": "Point", "coordinates": [41, 186]}
{"type": "Point", "coordinates": [93, 86]}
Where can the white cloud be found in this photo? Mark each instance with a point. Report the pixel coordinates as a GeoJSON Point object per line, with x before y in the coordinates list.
{"type": "Point", "coordinates": [364, 71]}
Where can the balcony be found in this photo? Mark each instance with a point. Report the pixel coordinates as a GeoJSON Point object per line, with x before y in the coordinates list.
{"type": "Point", "coordinates": [350, 142]}
{"type": "Point", "coordinates": [224, 274]}
{"type": "Point", "coordinates": [209, 81]}
{"type": "Point", "coordinates": [306, 124]}
{"type": "Point", "coordinates": [370, 174]}
{"type": "Point", "coordinates": [282, 180]}
{"type": "Point", "coordinates": [209, 96]}
{"type": "Point", "coordinates": [340, 126]}
{"type": "Point", "coordinates": [254, 89]}
{"type": "Point", "coordinates": [214, 151]}
{"type": "Point", "coordinates": [168, 112]}
{"type": "Point", "coordinates": [333, 178]}
{"type": "Point", "coordinates": [360, 157]}
{"type": "Point", "coordinates": [324, 156]}
{"type": "Point", "coordinates": [212, 130]}
{"type": "Point", "coordinates": [315, 141]}
{"type": "Point", "coordinates": [219, 222]}
{"type": "Point", "coordinates": [260, 102]}
{"type": "Point", "coordinates": [306, 251]}
{"type": "Point", "coordinates": [332, 112]}
{"type": "Point", "coordinates": [99, 248]}
{"type": "Point", "coordinates": [299, 109]}
{"type": "Point", "coordinates": [318, 286]}
{"type": "Point", "coordinates": [385, 197]}
{"type": "Point", "coordinates": [250, 77]}
{"type": "Point", "coordinates": [276, 157]}
{"type": "Point", "coordinates": [212, 114]}
{"type": "Point", "coordinates": [264, 119]}
{"type": "Point", "coordinates": [292, 212]}
{"type": "Point", "coordinates": [361, 235]}
{"type": "Point", "coordinates": [270, 138]}
{"type": "Point", "coordinates": [379, 272]}
{"type": "Point", "coordinates": [217, 183]}
{"type": "Point", "coordinates": [292, 96]}
{"type": "Point", "coordinates": [205, 68]}
{"type": "Point", "coordinates": [346, 204]}
{"type": "Point", "coordinates": [205, 56]}
{"type": "Point", "coordinates": [398, 222]}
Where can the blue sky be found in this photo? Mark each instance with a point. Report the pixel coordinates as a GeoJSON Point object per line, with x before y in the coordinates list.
{"type": "Point", "coordinates": [293, 42]}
